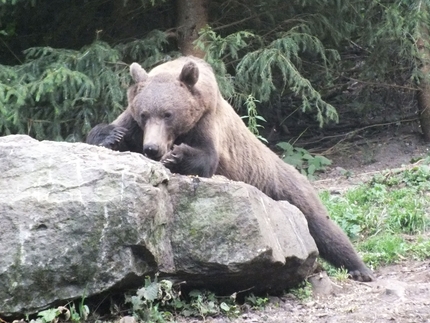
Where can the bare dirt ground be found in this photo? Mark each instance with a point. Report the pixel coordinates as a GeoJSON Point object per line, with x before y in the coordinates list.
{"type": "Point", "coordinates": [363, 157]}
{"type": "Point", "coordinates": [401, 292]}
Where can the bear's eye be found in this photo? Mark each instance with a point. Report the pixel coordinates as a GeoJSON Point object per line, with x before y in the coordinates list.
{"type": "Point", "coordinates": [143, 116]}
{"type": "Point", "coordinates": [167, 115]}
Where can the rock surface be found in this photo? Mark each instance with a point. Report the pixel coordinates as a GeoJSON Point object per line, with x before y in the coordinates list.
{"type": "Point", "coordinates": [81, 220]}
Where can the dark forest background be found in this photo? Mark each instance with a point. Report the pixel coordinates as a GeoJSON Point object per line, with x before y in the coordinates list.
{"type": "Point", "coordinates": [293, 69]}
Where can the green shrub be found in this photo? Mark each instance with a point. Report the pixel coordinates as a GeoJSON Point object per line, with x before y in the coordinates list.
{"type": "Point", "coordinates": [301, 159]}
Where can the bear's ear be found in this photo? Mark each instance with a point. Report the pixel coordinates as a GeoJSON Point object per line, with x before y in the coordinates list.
{"type": "Point", "coordinates": [138, 73]}
{"type": "Point", "coordinates": [189, 74]}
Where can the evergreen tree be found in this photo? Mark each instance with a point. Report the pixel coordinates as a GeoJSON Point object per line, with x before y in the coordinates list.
{"type": "Point", "coordinates": [60, 93]}
{"type": "Point", "coordinates": [65, 62]}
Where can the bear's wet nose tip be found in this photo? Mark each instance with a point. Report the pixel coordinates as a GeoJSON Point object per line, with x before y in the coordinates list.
{"type": "Point", "coordinates": [151, 151]}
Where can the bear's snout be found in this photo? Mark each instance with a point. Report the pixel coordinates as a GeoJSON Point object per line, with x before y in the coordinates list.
{"type": "Point", "coordinates": [152, 151]}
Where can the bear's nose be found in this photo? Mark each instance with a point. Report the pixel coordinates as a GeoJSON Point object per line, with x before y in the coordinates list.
{"type": "Point", "coordinates": [151, 151]}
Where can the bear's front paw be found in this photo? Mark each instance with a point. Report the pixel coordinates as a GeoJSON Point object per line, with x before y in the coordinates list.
{"type": "Point", "coordinates": [108, 136]}
{"type": "Point", "coordinates": [173, 157]}
{"type": "Point", "coordinates": [116, 135]}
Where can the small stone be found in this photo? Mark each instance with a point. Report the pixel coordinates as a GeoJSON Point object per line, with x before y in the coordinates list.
{"type": "Point", "coordinates": [127, 319]}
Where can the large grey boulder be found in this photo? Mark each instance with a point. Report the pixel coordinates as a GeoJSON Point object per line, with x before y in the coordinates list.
{"type": "Point", "coordinates": [81, 220]}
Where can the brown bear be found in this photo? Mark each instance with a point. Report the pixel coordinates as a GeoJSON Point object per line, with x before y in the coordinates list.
{"type": "Point", "coordinates": [176, 115]}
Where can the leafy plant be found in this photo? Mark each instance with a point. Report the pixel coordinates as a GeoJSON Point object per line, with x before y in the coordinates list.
{"type": "Point", "coordinates": [49, 315]}
{"type": "Point", "coordinates": [202, 303]}
{"type": "Point", "coordinates": [146, 303]}
{"type": "Point", "coordinates": [256, 302]}
{"type": "Point", "coordinates": [81, 314]}
{"type": "Point", "coordinates": [301, 159]}
{"type": "Point", "coordinates": [340, 274]}
{"type": "Point", "coordinates": [69, 313]}
{"type": "Point", "coordinates": [303, 292]}
{"type": "Point", "coordinates": [268, 65]}
{"type": "Point", "coordinates": [417, 177]}
{"type": "Point", "coordinates": [157, 300]}
{"type": "Point", "coordinates": [379, 214]}
{"type": "Point", "coordinates": [419, 248]}
{"type": "Point", "coordinates": [383, 249]}
{"type": "Point", "coordinates": [59, 94]}
{"type": "Point", "coordinates": [253, 117]}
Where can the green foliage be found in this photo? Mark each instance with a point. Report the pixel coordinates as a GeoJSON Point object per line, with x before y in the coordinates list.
{"type": "Point", "coordinates": [386, 248]}
{"type": "Point", "coordinates": [67, 314]}
{"type": "Point", "coordinates": [377, 207]}
{"type": "Point", "coordinates": [148, 51]}
{"type": "Point", "coordinates": [219, 51]}
{"type": "Point", "coordinates": [204, 303]}
{"type": "Point", "coordinates": [416, 177]}
{"type": "Point", "coordinates": [383, 57]}
{"type": "Point", "coordinates": [265, 50]}
{"type": "Point", "coordinates": [60, 94]}
{"type": "Point", "coordinates": [392, 31]}
{"type": "Point", "coordinates": [81, 314]}
{"type": "Point", "coordinates": [53, 94]}
{"type": "Point", "coordinates": [146, 303]}
{"type": "Point", "coordinates": [158, 300]}
{"type": "Point", "coordinates": [256, 302]}
{"type": "Point", "coordinates": [270, 65]}
{"type": "Point", "coordinates": [255, 72]}
{"type": "Point", "coordinates": [253, 117]}
{"type": "Point", "coordinates": [383, 249]}
{"type": "Point", "coordinates": [341, 274]}
{"type": "Point", "coordinates": [49, 315]}
{"type": "Point", "coordinates": [303, 292]}
{"type": "Point", "coordinates": [379, 215]}
{"type": "Point", "coordinates": [301, 159]}
{"type": "Point", "coordinates": [419, 248]}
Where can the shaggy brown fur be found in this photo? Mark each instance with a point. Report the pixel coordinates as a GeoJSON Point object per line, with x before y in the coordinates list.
{"type": "Point", "coordinates": [192, 130]}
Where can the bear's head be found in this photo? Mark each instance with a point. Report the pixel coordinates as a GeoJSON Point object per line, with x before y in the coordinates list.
{"type": "Point", "coordinates": [166, 104]}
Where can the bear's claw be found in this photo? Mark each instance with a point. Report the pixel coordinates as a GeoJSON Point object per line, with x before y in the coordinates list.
{"type": "Point", "coordinates": [362, 275]}
{"type": "Point", "coordinates": [167, 161]}
{"type": "Point", "coordinates": [173, 158]}
{"type": "Point", "coordinates": [115, 136]}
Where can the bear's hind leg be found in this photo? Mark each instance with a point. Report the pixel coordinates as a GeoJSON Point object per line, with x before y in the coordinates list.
{"type": "Point", "coordinates": [335, 247]}
{"type": "Point", "coordinates": [333, 244]}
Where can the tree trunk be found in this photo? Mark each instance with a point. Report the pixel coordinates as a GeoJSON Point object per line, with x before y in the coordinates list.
{"type": "Point", "coordinates": [192, 16]}
{"type": "Point", "coordinates": [423, 94]}
{"type": "Point", "coordinates": [424, 109]}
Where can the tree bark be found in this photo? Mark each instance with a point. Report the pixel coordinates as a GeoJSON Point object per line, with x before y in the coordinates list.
{"type": "Point", "coordinates": [423, 95]}
{"type": "Point", "coordinates": [192, 16]}
{"type": "Point", "coordinates": [424, 109]}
